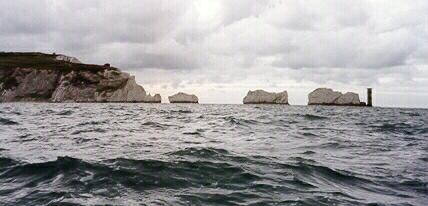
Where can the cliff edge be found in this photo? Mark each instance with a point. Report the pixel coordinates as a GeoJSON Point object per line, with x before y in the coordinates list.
{"type": "Point", "coordinates": [43, 77]}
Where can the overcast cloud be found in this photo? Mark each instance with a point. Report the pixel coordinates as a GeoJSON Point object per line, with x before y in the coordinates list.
{"type": "Point", "coordinates": [221, 49]}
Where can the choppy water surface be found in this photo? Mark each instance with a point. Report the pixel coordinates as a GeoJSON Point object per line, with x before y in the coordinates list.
{"type": "Point", "coordinates": [163, 154]}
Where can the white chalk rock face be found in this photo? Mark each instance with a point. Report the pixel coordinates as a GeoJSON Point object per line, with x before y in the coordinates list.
{"type": "Point", "coordinates": [264, 97]}
{"type": "Point", "coordinates": [323, 96]}
{"type": "Point", "coordinates": [130, 92]}
{"type": "Point", "coordinates": [82, 83]}
{"type": "Point", "coordinates": [114, 87]}
{"type": "Point", "coordinates": [349, 98]}
{"type": "Point", "coordinates": [67, 59]}
{"type": "Point", "coordinates": [183, 98]}
{"type": "Point", "coordinates": [326, 96]}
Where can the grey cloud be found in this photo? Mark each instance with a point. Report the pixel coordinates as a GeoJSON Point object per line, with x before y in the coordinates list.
{"type": "Point", "coordinates": [23, 17]}
{"type": "Point", "coordinates": [351, 48]}
{"type": "Point", "coordinates": [95, 21]}
{"type": "Point", "coordinates": [237, 10]}
{"type": "Point", "coordinates": [296, 34]}
{"type": "Point", "coordinates": [168, 55]}
{"type": "Point", "coordinates": [165, 61]}
{"type": "Point", "coordinates": [316, 41]}
{"type": "Point", "coordinates": [120, 21]}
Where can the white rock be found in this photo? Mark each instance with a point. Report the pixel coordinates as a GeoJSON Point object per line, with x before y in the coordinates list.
{"type": "Point", "coordinates": [349, 98]}
{"type": "Point", "coordinates": [127, 91]}
{"type": "Point", "coordinates": [51, 85]}
{"type": "Point", "coordinates": [66, 92]}
{"type": "Point", "coordinates": [131, 92]}
{"type": "Point", "coordinates": [31, 85]}
{"type": "Point", "coordinates": [326, 96]}
{"type": "Point", "coordinates": [323, 96]}
{"type": "Point", "coordinates": [263, 97]}
{"type": "Point", "coordinates": [183, 98]}
{"type": "Point", "coordinates": [67, 59]}
{"type": "Point", "coordinates": [153, 99]}
{"type": "Point", "coordinates": [113, 79]}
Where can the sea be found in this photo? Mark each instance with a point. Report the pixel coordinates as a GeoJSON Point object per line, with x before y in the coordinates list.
{"type": "Point", "coordinates": [190, 154]}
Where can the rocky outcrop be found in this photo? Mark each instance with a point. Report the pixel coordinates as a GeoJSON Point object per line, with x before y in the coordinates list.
{"type": "Point", "coordinates": [263, 97]}
{"type": "Point", "coordinates": [27, 84]}
{"type": "Point", "coordinates": [326, 96]}
{"type": "Point", "coordinates": [66, 83]}
{"type": "Point", "coordinates": [349, 98]}
{"type": "Point", "coordinates": [183, 98]}
{"type": "Point", "coordinates": [131, 92]}
{"type": "Point", "coordinates": [61, 57]}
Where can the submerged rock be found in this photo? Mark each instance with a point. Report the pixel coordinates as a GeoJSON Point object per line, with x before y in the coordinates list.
{"type": "Point", "coordinates": [263, 97]}
{"type": "Point", "coordinates": [43, 78]}
{"type": "Point", "coordinates": [183, 98]}
{"type": "Point", "coordinates": [326, 96]}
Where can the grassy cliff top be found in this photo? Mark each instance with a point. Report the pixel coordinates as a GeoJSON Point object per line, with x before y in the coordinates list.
{"type": "Point", "coordinates": [11, 60]}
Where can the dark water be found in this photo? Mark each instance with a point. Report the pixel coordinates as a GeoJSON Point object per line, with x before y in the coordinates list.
{"type": "Point", "coordinates": [162, 154]}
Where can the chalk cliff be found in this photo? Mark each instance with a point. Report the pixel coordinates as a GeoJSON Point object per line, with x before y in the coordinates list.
{"type": "Point", "coordinates": [263, 97]}
{"type": "Point", "coordinates": [326, 96]}
{"type": "Point", "coordinates": [183, 98]}
{"type": "Point", "coordinates": [57, 78]}
{"type": "Point", "coordinates": [61, 57]}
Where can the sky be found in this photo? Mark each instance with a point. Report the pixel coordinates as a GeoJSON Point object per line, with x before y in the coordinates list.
{"type": "Point", "coordinates": [220, 49]}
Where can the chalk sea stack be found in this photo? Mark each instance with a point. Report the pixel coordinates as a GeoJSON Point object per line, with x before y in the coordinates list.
{"type": "Point", "coordinates": [183, 98]}
{"type": "Point", "coordinates": [326, 96]}
{"type": "Point", "coordinates": [43, 77]}
{"type": "Point", "coordinates": [264, 97]}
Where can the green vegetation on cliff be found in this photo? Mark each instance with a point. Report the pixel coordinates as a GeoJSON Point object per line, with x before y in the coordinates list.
{"type": "Point", "coordinates": [35, 60]}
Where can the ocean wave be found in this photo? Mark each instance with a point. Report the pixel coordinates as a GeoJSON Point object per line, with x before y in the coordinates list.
{"type": "Point", "coordinates": [309, 152]}
{"type": "Point", "coordinates": [205, 152]}
{"type": "Point", "coordinates": [15, 113]}
{"type": "Point", "coordinates": [240, 121]}
{"type": "Point", "coordinates": [415, 184]}
{"type": "Point", "coordinates": [181, 111]}
{"type": "Point", "coordinates": [53, 181]}
{"type": "Point", "coordinates": [95, 130]}
{"type": "Point", "coordinates": [71, 173]}
{"type": "Point", "coordinates": [411, 114]}
{"type": "Point", "coordinates": [159, 155]}
{"type": "Point", "coordinates": [422, 131]}
{"type": "Point", "coordinates": [156, 125]}
{"type": "Point", "coordinates": [92, 122]}
{"type": "Point", "coordinates": [313, 117]}
{"type": "Point", "coordinates": [42, 183]}
{"type": "Point", "coordinates": [5, 162]}
{"type": "Point", "coordinates": [218, 155]}
{"type": "Point", "coordinates": [193, 133]}
{"type": "Point", "coordinates": [325, 178]}
{"type": "Point", "coordinates": [48, 111]}
{"type": "Point", "coordinates": [309, 134]}
{"type": "Point", "coordinates": [316, 174]}
{"type": "Point", "coordinates": [397, 128]}
{"type": "Point", "coordinates": [5, 121]}
{"type": "Point", "coordinates": [65, 113]}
